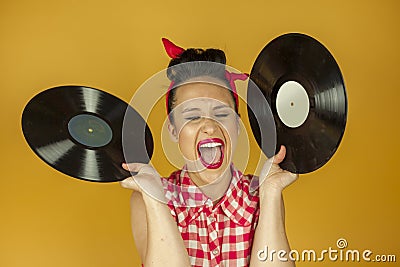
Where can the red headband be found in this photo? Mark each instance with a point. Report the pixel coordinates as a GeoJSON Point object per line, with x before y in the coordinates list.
{"type": "Point", "coordinates": [175, 51]}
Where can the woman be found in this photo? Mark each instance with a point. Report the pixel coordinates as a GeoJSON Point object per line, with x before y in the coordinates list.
{"type": "Point", "coordinates": [217, 219]}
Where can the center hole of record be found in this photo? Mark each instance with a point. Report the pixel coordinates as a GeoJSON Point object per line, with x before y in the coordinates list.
{"type": "Point", "coordinates": [292, 104]}
{"type": "Point", "coordinates": [90, 130]}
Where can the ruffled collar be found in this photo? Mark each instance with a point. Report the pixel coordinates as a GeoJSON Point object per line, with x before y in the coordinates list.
{"type": "Point", "coordinates": [188, 201]}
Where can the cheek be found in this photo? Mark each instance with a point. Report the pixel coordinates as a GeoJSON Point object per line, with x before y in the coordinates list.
{"type": "Point", "coordinates": [232, 131]}
{"type": "Point", "coordinates": [187, 141]}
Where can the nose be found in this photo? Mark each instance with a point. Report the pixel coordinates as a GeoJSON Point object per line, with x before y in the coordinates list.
{"type": "Point", "coordinates": [208, 126]}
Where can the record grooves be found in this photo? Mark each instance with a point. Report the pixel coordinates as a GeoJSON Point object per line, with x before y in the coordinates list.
{"type": "Point", "coordinates": [78, 131]}
{"type": "Point", "coordinates": [304, 87]}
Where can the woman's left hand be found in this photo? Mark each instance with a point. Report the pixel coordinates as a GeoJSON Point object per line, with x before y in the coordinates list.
{"type": "Point", "coordinates": [270, 232]}
{"type": "Point", "coordinates": [272, 177]}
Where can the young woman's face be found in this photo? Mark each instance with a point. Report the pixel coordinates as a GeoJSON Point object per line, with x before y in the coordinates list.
{"type": "Point", "coordinates": [206, 127]}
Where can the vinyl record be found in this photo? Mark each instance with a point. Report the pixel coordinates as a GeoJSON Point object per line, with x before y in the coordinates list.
{"type": "Point", "coordinates": [304, 88]}
{"type": "Point", "coordinates": [78, 131]}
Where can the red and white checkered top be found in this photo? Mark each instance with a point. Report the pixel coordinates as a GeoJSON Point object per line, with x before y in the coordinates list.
{"type": "Point", "coordinates": [214, 235]}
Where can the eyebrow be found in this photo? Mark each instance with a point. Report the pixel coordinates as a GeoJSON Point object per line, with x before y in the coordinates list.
{"type": "Point", "coordinates": [198, 109]}
{"type": "Point", "coordinates": [221, 107]}
{"type": "Point", "coordinates": [190, 109]}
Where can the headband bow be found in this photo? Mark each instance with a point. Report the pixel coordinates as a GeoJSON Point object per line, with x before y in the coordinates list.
{"type": "Point", "coordinates": [174, 51]}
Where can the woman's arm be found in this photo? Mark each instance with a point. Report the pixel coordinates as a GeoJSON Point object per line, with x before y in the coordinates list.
{"type": "Point", "coordinates": [156, 234]}
{"type": "Point", "coordinates": [270, 245]}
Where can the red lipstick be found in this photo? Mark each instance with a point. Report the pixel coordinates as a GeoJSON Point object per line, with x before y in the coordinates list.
{"type": "Point", "coordinates": [209, 145]}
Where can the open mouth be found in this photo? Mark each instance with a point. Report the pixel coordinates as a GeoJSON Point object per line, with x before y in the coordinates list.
{"type": "Point", "coordinates": [211, 152]}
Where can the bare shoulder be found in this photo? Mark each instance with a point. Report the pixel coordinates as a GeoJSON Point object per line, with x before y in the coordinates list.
{"type": "Point", "coordinates": [139, 223]}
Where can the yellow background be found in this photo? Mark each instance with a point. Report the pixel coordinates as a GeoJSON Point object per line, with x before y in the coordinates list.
{"type": "Point", "coordinates": [49, 219]}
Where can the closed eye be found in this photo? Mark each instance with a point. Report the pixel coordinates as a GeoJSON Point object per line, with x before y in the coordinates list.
{"type": "Point", "coordinates": [222, 115]}
{"type": "Point", "coordinates": [192, 118]}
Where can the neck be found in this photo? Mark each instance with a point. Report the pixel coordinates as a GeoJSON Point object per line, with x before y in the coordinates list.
{"type": "Point", "coordinates": [216, 189]}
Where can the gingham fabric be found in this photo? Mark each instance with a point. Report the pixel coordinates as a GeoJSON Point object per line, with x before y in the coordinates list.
{"type": "Point", "coordinates": [214, 235]}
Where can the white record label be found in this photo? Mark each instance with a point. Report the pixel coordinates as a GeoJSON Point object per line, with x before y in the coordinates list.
{"type": "Point", "coordinates": [292, 104]}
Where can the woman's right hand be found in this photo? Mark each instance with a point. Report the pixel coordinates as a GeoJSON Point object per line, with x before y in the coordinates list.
{"type": "Point", "coordinates": [154, 229]}
{"type": "Point", "coordinates": [147, 181]}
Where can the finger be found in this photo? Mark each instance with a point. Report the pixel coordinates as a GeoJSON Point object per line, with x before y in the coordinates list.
{"type": "Point", "coordinates": [128, 183]}
{"type": "Point", "coordinates": [133, 167]}
{"type": "Point", "coordinates": [280, 156]}
{"type": "Point", "coordinates": [270, 166]}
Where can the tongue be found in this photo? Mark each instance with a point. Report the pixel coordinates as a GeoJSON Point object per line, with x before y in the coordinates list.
{"type": "Point", "coordinates": [210, 155]}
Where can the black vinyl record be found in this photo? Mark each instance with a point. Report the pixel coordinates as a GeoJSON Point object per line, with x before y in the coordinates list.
{"type": "Point", "coordinates": [78, 131]}
{"type": "Point", "coordinates": [304, 88]}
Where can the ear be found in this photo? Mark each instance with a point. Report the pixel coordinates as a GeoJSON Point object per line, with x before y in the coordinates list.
{"type": "Point", "coordinates": [238, 123]}
{"type": "Point", "coordinates": [173, 134]}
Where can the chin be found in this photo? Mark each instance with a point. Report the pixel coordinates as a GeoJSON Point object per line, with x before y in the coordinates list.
{"type": "Point", "coordinates": [209, 176]}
